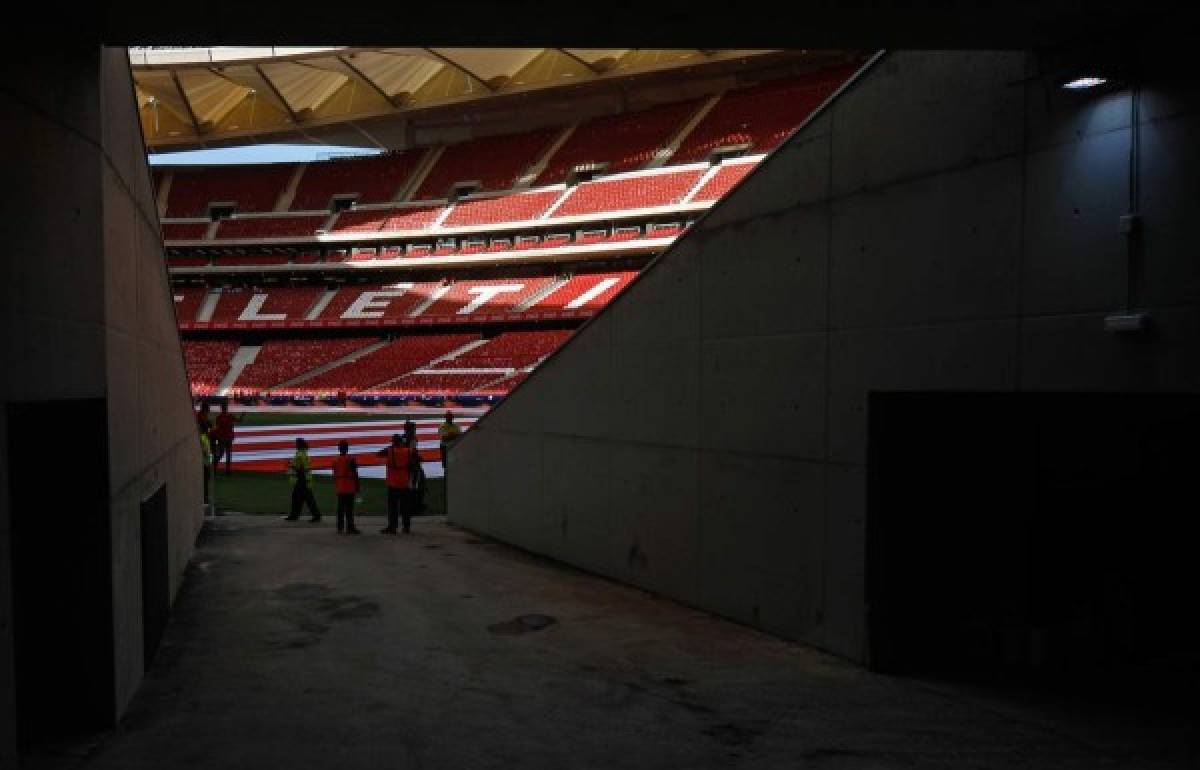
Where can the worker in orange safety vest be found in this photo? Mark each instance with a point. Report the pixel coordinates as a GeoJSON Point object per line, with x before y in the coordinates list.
{"type": "Point", "coordinates": [345, 484]}
{"type": "Point", "coordinates": [400, 459]}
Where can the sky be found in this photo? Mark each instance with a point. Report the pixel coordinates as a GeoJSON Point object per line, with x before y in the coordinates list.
{"type": "Point", "coordinates": [257, 153]}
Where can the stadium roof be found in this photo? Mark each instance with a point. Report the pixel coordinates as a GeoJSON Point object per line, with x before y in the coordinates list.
{"type": "Point", "coordinates": [203, 96]}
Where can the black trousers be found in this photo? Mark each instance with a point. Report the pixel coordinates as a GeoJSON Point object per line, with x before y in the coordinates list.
{"type": "Point", "coordinates": [399, 507]}
{"type": "Point", "coordinates": [223, 448]}
{"type": "Point", "coordinates": [302, 494]}
{"type": "Point", "coordinates": [345, 512]}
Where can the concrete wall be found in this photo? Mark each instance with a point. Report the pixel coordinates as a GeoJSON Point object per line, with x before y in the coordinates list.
{"type": "Point", "coordinates": [950, 222]}
{"type": "Point", "coordinates": [87, 313]}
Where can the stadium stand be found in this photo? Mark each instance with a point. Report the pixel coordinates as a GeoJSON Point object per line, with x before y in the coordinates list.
{"type": "Point", "coordinates": [629, 192]}
{"type": "Point", "coordinates": [504, 208]}
{"type": "Point", "coordinates": [495, 162]}
{"type": "Point", "coordinates": [401, 356]}
{"type": "Point", "coordinates": [184, 231]}
{"type": "Point", "coordinates": [376, 179]}
{"type": "Point", "coordinates": [509, 350]}
{"type": "Point", "coordinates": [664, 231]}
{"type": "Point", "coordinates": [586, 292]}
{"type": "Point", "coordinates": [283, 360]}
{"type": "Point", "coordinates": [722, 182]}
{"type": "Point", "coordinates": [762, 115]}
{"type": "Point", "coordinates": [175, 261]}
{"type": "Point", "coordinates": [257, 259]}
{"type": "Point", "coordinates": [429, 384]}
{"type": "Point", "coordinates": [207, 363]}
{"type": "Point", "coordinates": [387, 307]}
{"type": "Point", "coordinates": [625, 142]}
{"type": "Point", "coordinates": [270, 227]}
{"type": "Point", "coordinates": [291, 302]}
{"type": "Point", "coordinates": [187, 302]}
{"type": "Point", "coordinates": [496, 387]}
{"type": "Point", "coordinates": [374, 220]}
{"type": "Point", "coordinates": [501, 295]}
{"type": "Point", "coordinates": [619, 148]}
{"type": "Point", "coordinates": [251, 188]}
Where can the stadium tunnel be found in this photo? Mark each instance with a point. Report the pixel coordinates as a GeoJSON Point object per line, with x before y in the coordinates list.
{"type": "Point", "coordinates": [961, 285]}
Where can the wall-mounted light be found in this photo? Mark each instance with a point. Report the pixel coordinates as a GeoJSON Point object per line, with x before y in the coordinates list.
{"type": "Point", "coordinates": [1084, 82]}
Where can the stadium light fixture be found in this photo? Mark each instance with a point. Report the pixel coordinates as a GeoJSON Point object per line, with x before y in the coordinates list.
{"type": "Point", "coordinates": [1084, 82]}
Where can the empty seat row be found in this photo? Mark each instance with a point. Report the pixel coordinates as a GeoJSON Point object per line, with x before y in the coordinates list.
{"type": "Point", "coordinates": [759, 116]}
{"type": "Point", "coordinates": [403, 355]}
{"type": "Point", "coordinates": [510, 350]}
{"type": "Point", "coordinates": [281, 360]}
{"type": "Point", "coordinates": [375, 179]}
{"type": "Point", "coordinates": [270, 227]}
{"type": "Point", "coordinates": [623, 142]}
{"type": "Point", "coordinates": [275, 304]}
{"type": "Point", "coordinates": [207, 363]}
{"type": "Point", "coordinates": [389, 302]}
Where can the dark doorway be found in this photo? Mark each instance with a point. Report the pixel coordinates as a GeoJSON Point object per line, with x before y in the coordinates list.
{"type": "Point", "coordinates": [1041, 535]}
{"type": "Point", "coordinates": [156, 596]}
{"type": "Point", "coordinates": [62, 569]}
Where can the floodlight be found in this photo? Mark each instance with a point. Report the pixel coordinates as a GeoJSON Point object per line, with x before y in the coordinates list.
{"type": "Point", "coordinates": [1085, 82]}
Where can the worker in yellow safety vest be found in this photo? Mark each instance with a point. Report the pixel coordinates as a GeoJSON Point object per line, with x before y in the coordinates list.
{"type": "Point", "coordinates": [300, 472]}
{"type": "Point", "coordinates": [448, 433]}
{"type": "Point", "coordinates": [206, 458]}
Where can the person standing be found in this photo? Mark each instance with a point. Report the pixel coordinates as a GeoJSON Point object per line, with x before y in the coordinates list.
{"type": "Point", "coordinates": [345, 483]}
{"type": "Point", "coordinates": [223, 434]}
{"type": "Point", "coordinates": [300, 472]}
{"type": "Point", "coordinates": [202, 418]}
{"type": "Point", "coordinates": [398, 460]}
{"type": "Point", "coordinates": [448, 433]}
{"type": "Point", "coordinates": [418, 471]}
{"type": "Point", "coordinates": [206, 457]}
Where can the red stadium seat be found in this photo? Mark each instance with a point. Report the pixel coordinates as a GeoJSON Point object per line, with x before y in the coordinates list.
{"type": "Point", "coordinates": [282, 360]}
{"type": "Point", "coordinates": [642, 191]}
{"type": "Point", "coordinates": [184, 231]}
{"type": "Point", "coordinates": [393, 360]}
{"type": "Point", "coordinates": [516, 207]}
{"type": "Point", "coordinates": [488, 296]}
{"type": "Point", "coordinates": [207, 363]}
{"type": "Point", "coordinates": [586, 292]}
{"type": "Point", "coordinates": [762, 115]}
{"type": "Point", "coordinates": [398, 218]}
{"type": "Point", "coordinates": [259, 259]}
{"type": "Point", "coordinates": [510, 350]}
{"type": "Point", "coordinates": [625, 142]}
{"type": "Point", "coordinates": [187, 302]}
{"type": "Point", "coordinates": [293, 303]}
{"type": "Point", "coordinates": [271, 227]}
{"type": "Point", "coordinates": [722, 181]}
{"type": "Point", "coordinates": [251, 188]}
{"type": "Point", "coordinates": [187, 261]}
{"type": "Point", "coordinates": [375, 179]}
{"type": "Point", "coordinates": [496, 162]}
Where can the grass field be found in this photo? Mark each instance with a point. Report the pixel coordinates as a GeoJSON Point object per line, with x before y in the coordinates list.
{"type": "Point", "coordinates": [271, 493]}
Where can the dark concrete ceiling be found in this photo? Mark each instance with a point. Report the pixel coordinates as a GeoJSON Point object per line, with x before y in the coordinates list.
{"type": "Point", "coordinates": [860, 24]}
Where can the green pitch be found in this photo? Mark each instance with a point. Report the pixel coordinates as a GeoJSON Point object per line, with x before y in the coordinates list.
{"type": "Point", "coordinates": [271, 493]}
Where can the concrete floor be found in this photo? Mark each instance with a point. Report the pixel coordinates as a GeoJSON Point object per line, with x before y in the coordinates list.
{"type": "Point", "coordinates": [292, 647]}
